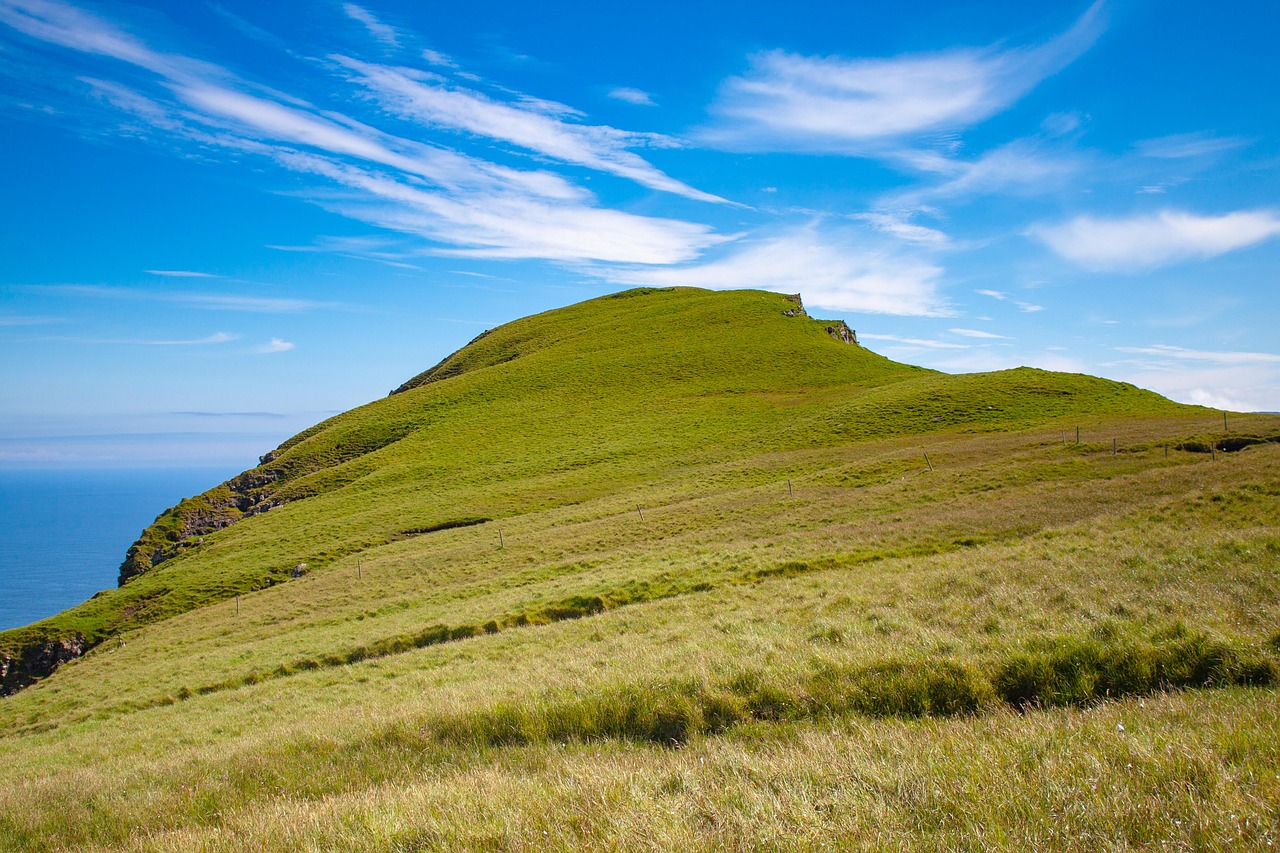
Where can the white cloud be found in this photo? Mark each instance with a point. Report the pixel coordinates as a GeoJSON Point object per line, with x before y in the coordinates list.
{"type": "Point", "coordinates": [216, 338]}
{"type": "Point", "coordinates": [597, 147]}
{"type": "Point", "coordinates": [978, 333]}
{"type": "Point", "coordinates": [831, 271]}
{"type": "Point", "coordinates": [1145, 242]}
{"type": "Point", "coordinates": [898, 226]}
{"type": "Point", "coordinates": [275, 345]}
{"type": "Point", "coordinates": [1024, 167]}
{"type": "Point", "coordinates": [639, 97]}
{"type": "Point", "coordinates": [913, 342]}
{"type": "Point", "coordinates": [1248, 387]}
{"type": "Point", "coordinates": [787, 102]}
{"type": "Point", "coordinates": [1184, 354]}
{"type": "Point", "coordinates": [181, 273]}
{"type": "Point", "coordinates": [1004, 297]}
{"type": "Point", "coordinates": [1183, 146]}
{"type": "Point", "coordinates": [510, 225]}
{"type": "Point", "coordinates": [435, 57]}
{"type": "Point", "coordinates": [382, 32]}
{"type": "Point", "coordinates": [1234, 380]}
{"type": "Point", "coordinates": [472, 206]}
{"type": "Point", "coordinates": [214, 301]}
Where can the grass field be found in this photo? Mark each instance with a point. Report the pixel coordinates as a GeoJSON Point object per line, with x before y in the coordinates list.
{"type": "Point", "coordinates": [716, 581]}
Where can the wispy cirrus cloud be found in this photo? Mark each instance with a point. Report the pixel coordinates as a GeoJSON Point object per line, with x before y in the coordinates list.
{"type": "Point", "coordinates": [181, 273]}
{"type": "Point", "coordinates": [833, 270]}
{"type": "Point", "coordinates": [789, 102]}
{"type": "Point", "coordinates": [466, 205]}
{"type": "Point", "coordinates": [436, 103]}
{"type": "Point", "coordinates": [1001, 296]}
{"type": "Point", "coordinates": [899, 225]}
{"type": "Point", "coordinates": [274, 345]}
{"type": "Point", "coordinates": [1182, 146]}
{"type": "Point", "coordinates": [212, 301]}
{"type": "Point", "coordinates": [978, 333]}
{"type": "Point", "coordinates": [510, 225]}
{"type": "Point", "coordinates": [639, 97]}
{"type": "Point", "coordinates": [437, 58]}
{"type": "Point", "coordinates": [1218, 357]}
{"type": "Point", "coordinates": [926, 343]}
{"type": "Point", "coordinates": [1145, 242]}
{"type": "Point", "coordinates": [385, 33]}
{"type": "Point", "coordinates": [209, 340]}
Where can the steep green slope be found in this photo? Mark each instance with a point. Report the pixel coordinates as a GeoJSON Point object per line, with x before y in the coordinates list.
{"type": "Point", "coordinates": [550, 411]}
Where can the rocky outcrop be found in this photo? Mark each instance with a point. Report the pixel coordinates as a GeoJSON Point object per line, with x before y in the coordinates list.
{"type": "Point", "coordinates": [33, 662]}
{"type": "Point", "coordinates": [837, 329]}
{"type": "Point", "coordinates": [840, 330]}
{"type": "Point", "coordinates": [184, 526]}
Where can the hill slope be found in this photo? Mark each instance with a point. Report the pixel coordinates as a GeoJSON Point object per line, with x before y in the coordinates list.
{"type": "Point", "coordinates": [842, 586]}
{"type": "Point", "coordinates": [549, 411]}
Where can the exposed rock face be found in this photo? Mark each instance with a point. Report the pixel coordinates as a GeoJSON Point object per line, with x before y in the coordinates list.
{"type": "Point", "coordinates": [798, 311]}
{"type": "Point", "coordinates": [841, 332]}
{"type": "Point", "coordinates": [184, 525]}
{"type": "Point", "coordinates": [33, 662]}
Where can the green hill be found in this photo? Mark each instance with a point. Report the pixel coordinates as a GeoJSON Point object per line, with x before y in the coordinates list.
{"type": "Point", "coordinates": [787, 545]}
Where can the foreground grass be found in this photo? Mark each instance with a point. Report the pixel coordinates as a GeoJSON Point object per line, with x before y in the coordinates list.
{"type": "Point", "coordinates": [1180, 772]}
{"type": "Point", "coordinates": [821, 705]}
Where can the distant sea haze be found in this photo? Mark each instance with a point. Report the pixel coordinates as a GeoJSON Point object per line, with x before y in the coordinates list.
{"type": "Point", "coordinates": [63, 533]}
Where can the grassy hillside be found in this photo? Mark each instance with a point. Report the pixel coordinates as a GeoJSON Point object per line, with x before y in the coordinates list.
{"type": "Point", "coordinates": [675, 569]}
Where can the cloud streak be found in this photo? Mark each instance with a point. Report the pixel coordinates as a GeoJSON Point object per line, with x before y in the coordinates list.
{"type": "Point", "coordinates": [913, 342]}
{"type": "Point", "coordinates": [1146, 242]}
{"type": "Point", "coordinates": [432, 102]}
{"type": "Point", "coordinates": [274, 345]}
{"type": "Point", "coordinates": [382, 32]}
{"type": "Point", "coordinates": [639, 97]}
{"type": "Point", "coordinates": [181, 273]}
{"type": "Point", "coordinates": [210, 340]}
{"type": "Point", "coordinates": [788, 102]}
{"type": "Point", "coordinates": [978, 333]}
{"type": "Point", "coordinates": [212, 301]}
{"type": "Point", "coordinates": [1184, 354]}
{"type": "Point", "coordinates": [466, 205]}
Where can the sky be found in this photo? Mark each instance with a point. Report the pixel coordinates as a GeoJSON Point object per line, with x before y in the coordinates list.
{"type": "Point", "coordinates": [225, 221]}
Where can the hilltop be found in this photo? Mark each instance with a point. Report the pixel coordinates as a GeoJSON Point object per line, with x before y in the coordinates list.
{"type": "Point", "coordinates": [480, 611]}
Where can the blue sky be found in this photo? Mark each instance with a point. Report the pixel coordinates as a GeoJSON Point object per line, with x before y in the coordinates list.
{"type": "Point", "coordinates": [226, 221]}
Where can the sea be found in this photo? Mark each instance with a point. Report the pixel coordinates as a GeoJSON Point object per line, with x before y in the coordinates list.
{"type": "Point", "coordinates": [64, 533]}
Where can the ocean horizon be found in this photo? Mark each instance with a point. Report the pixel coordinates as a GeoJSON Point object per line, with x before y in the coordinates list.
{"type": "Point", "coordinates": [64, 532]}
